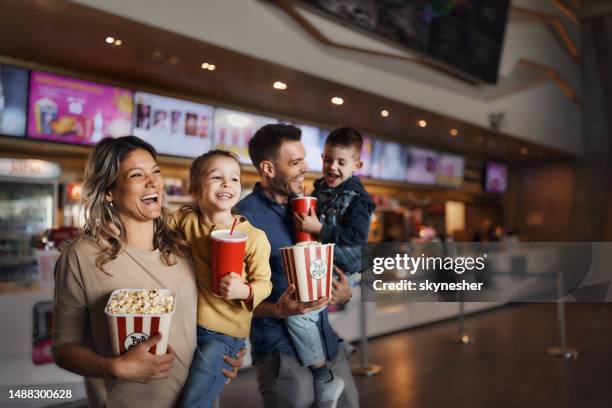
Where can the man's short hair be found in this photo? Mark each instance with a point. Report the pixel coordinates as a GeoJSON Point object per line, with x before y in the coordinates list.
{"type": "Point", "coordinates": [346, 137]}
{"type": "Point", "coordinates": [268, 140]}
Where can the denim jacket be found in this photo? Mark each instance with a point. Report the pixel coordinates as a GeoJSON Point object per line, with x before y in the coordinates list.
{"type": "Point", "coordinates": [345, 213]}
{"type": "Point", "coordinates": [269, 334]}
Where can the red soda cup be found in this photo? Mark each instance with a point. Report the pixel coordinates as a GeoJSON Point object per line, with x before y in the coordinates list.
{"type": "Point", "coordinates": [227, 252]}
{"type": "Point", "coordinates": [303, 205]}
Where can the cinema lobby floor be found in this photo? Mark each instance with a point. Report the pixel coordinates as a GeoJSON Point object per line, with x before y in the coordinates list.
{"type": "Point", "coordinates": [506, 366]}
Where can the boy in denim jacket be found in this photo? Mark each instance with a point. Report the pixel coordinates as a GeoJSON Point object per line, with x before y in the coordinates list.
{"type": "Point", "coordinates": [343, 218]}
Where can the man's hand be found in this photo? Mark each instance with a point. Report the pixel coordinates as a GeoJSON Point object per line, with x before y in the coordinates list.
{"type": "Point", "coordinates": [341, 289]}
{"type": "Point", "coordinates": [236, 363]}
{"type": "Point", "coordinates": [307, 222]}
{"type": "Point", "coordinates": [288, 306]}
{"type": "Point", "coordinates": [231, 287]}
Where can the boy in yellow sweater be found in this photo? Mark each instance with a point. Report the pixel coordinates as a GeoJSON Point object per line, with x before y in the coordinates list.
{"type": "Point", "coordinates": [223, 321]}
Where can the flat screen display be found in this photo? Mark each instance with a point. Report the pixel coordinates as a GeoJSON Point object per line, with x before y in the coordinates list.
{"type": "Point", "coordinates": [450, 170]}
{"type": "Point", "coordinates": [70, 110]}
{"type": "Point", "coordinates": [376, 159]}
{"type": "Point", "coordinates": [13, 100]}
{"type": "Point", "coordinates": [173, 126]}
{"type": "Point", "coordinates": [313, 140]}
{"type": "Point", "coordinates": [465, 34]}
{"type": "Point", "coordinates": [233, 130]}
{"type": "Point", "coordinates": [496, 177]}
{"type": "Point", "coordinates": [366, 157]}
{"type": "Point", "coordinates": [421, 166]}
{"type": "Point", "coordinates": [393, 161]}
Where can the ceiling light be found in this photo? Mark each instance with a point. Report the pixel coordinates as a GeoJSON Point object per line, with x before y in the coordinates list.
{"type": "Point", "coordinates": [422, 123]}
{"type": "Point", "coordinates": [453, 132]}
{"type": "Point", "coordinates": [280, 85]}
{"type": "Point", "coordinates": [211, 67]}
{"type": "Point", "coordinates": [118, 42]}
{"type": "Point", "coordinates": [205, 65]}
{"type": "Point", "coordinates": [384, 113]}
{"type": "Point", "coordinates": [336, 100]}
{"type": "Point", "coordinates": [110, 40]}
{"type": "Point", "coordinates": [524, 151]}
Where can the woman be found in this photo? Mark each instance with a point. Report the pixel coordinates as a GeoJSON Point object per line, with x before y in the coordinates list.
{"type": "Point", "coordinates": [126, 243]}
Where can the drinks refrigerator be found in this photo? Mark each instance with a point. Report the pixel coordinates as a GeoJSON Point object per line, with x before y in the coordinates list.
{"type": "Point", "coordinates": [28, 204]}
{"type": "Point", "coordinates": [27, 210]}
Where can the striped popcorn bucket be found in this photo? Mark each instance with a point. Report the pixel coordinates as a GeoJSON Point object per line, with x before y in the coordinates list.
{"type": "Point", "coordinates": [129, 330]}
{"type": "Point", "coordinates": [309, 268]}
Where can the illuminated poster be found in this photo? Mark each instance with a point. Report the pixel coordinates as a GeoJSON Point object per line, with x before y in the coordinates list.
{"type": "Point", "coordinates": [421, 166]}
{"type": "Point", "coordinates": [496, 180]}
{"type": "Point", "coordinates": [73, 111]}
{"type": "Point", "coordinates": [450, 170]}
{"type": "Point", "coordinates": [393, 161]}
{"type": "Point", "coordinates": [366, 157]}
{"type": "Point", "coordinates": [173, 126]}
{"type": "Point", "coordinates": [233, 130]}
{"type": "Point", "coordinates": [313, 140]}
{"type": "Point", "coordinates": [13, 100]}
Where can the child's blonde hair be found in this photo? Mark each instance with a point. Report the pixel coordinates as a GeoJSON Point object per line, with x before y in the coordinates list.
{"type": "Point", "coordinates": [199, 163]}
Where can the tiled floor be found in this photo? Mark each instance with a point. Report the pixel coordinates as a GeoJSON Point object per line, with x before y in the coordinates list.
{"type": "Point", "coordinates": [506, 367]}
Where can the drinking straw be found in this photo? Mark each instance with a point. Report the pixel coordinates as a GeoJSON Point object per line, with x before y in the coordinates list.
{"type": "Point", "coordinates": [303, 190]}
{"type": "Point", "coordinates": [233, 225]}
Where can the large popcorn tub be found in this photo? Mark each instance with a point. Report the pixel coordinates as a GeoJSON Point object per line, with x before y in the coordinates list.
{"type": "Point", "coordinates": [309, 267]}
{"type": "Point", "coordinates": [149, 313]}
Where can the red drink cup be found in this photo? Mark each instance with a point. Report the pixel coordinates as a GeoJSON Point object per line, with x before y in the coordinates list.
{"type": "Point", "coordinates": [227, 254]}
{"type": "Point", "coordinates": [303, 205]}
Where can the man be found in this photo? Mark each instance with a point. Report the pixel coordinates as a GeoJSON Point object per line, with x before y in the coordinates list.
{"type": "Point", "coordinates": [278, 155]}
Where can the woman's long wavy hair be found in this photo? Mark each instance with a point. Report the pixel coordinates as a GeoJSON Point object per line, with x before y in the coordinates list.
{"type": "Point", "coordinates": [102, 222]}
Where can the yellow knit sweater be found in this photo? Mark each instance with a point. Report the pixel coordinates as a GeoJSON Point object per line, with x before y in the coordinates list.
{"type": "Point", "coordinates": [231, 317]}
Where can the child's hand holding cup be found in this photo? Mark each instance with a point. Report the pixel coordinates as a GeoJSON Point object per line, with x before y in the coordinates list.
{"type": "Point", "coordinates": [228, 249]}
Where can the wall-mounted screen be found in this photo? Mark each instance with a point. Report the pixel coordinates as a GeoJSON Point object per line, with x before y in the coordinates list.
{"type": "Point", "coordinates": [366, 157]}
{"type": "Point", "coordinates": [313, 139]}
{"type": "Point", "coordinates": [393, 161]}
{"type": "Point", "coordinates": [13, 100]}
{"type": "Point", "coordinates": [234, 129]}
{"type": "Point", "coordinates": [496, 177]}
{"type": "Point", "coordinates": [465, 34]}
{"type": "Point", "coordinates": [173, 126]}
{"type": "Point", "coordinates": [377, 159]}
{"type": "Point", "coordinates": [421, 166]}
{"type": "Point", "coordinates": [450, 170]}
{"type": "Point", "coordinates": [70, 110]}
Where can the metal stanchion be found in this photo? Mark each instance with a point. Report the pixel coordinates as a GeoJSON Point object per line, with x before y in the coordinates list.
{"type": "Point", "coordinates": [563, 351]}
{"type": "Point", "coordinates": [462, 337]}
{"type": "Point", "coordinates": [364, 368]}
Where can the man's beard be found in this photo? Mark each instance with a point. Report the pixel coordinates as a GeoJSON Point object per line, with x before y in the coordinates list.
{"type": "Point", "coordinates": [284, 187]}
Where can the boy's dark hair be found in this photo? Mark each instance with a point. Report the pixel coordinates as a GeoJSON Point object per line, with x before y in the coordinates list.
{"type": "Point", "coordinates": [346, 137]}
{"type": "Point", "coordinates": [198, 164]}
{"type": "Point", "coordinates": [268, 139]}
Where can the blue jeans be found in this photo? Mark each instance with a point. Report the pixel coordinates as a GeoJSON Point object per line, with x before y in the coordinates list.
{"type": "Point", "coordinates": [304, 332]}
{"type": "Point", "coordinates": [206, 380]}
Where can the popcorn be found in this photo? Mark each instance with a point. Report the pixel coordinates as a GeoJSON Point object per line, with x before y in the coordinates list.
{"type": "Point", "coordinates": [136, 315]}
{"type": "Point", "coordinates": [140, 301]}
{"type": "Point", "coordinates": [308, 265]}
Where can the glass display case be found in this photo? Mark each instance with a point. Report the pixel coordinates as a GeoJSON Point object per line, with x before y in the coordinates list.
{"type": "Point", "coordinates": [27, 209]}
